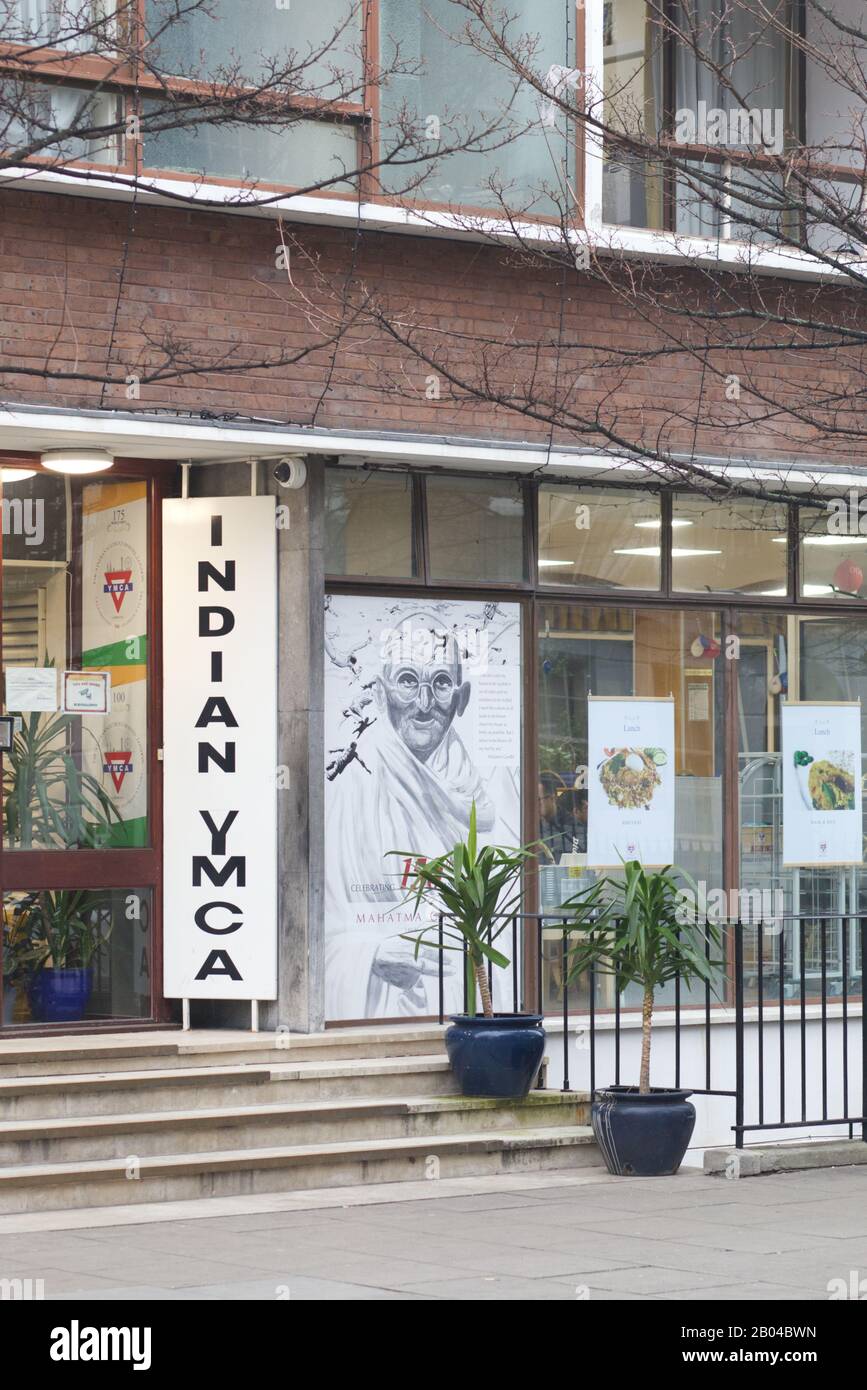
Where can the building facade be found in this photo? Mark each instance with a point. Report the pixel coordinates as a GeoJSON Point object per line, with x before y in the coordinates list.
{"type": "Point", "coordinates": [436, 585]}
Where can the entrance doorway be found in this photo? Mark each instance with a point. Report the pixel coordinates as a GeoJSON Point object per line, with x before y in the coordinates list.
{"type": "Point", "coordinates": [81, 843]}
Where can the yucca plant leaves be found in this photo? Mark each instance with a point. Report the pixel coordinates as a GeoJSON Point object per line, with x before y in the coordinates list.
{"type": "Point", "coordinates": [48, 801]}
{"type": "Point", "coordinates": [628, 928]}
{"type": "Point", "coordinates": [474, 889]}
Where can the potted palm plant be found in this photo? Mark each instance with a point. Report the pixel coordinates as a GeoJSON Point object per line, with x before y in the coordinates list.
{"type": "Point", "coordinates": [65, 934]}
{"type": "Point", "coordinates": [646, 935]}
{"type": "Point", "coordinates": [48, 801]}
{"type": "Point", "coordinates": [473, 891]}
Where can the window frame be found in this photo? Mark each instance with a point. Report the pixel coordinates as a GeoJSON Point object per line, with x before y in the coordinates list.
{"type": "Point", "coordinates": [365, 115]}
{"type": "Point", "coordinates": [731, 160]}
{"type": "Point", "coordinates": [533, 583]}
{"type": "Point", "coordinates": [131, 86]}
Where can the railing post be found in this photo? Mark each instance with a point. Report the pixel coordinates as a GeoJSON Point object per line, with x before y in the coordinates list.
{"type": "Point", "coordinates": [739, 1036]}
{"type": "Point", "coordinates": [565, 969]}
{"type": "Point", "coordinates": [863, 933]}
{"type": "Point", "coordinates": [441, 971]}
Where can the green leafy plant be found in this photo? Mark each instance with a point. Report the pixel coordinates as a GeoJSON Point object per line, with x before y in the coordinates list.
{"type": "Point", "coordinates": [47, 800]}
{"type": "Point", "coordinates": [643, 936]}
{"type": "Point", "coordinates": [475, 889]}
{"type": "Point", "coordinates": [63, 930]}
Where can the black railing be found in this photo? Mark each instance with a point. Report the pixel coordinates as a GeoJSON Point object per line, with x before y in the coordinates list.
{"type": "Point", "coordinates": [778, 983]}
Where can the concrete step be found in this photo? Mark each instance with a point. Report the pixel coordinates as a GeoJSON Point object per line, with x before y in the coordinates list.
{"type": "Point", "coordinates": [162, 1050]}
{"type": "Point", "coordinates": [185, 1088]}
{"type": "Point", "coordinates": [252, 1127]}
{"type": "Point", "coordinates": [233, 1172]}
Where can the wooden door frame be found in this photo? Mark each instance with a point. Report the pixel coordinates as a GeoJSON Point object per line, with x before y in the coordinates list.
{"type": "Point", "coordinates": [113, 868]}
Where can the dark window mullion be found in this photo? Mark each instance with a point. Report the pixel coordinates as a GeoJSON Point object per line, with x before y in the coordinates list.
{"type": "Point", "coordinates": [666, 500]}
{"type": "Point", "coordinates": [420, 528]}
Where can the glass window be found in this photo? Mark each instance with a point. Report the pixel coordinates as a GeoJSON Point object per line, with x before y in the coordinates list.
{"type": "Point", "coordinates": [34, 112]}
{"type": "Point", "coordinates": [624, 652]}
{"type": "Point", "coordinates": [833, 551]}
{"type": "Point", "coordinates": [369, 523]}
{"type": "Point", "coordinates": [803, 658]}
{"type": "Point", "coordinates": [632, 188]}
{"type": "Point", "coordinates": [299, 155]}
{"type": "Point", "coordinates": [731, 84]}
{"type": "Point", "coordinates": [596, 537]}
{"type": "Point", "coordinates": [738, 546]}
{"type": "Point", "coordinates": [475, 530]}
{"type": "Point", "coordinates": [258, 39]}
{"type": "Point", "coordinates": [69, 24]}
{"type": "Point", "coordinates": [75, 598]}
{"type": "Point", "coordinates": [512, 150]}
{"type": "Point", "coordinates": [77, 953]}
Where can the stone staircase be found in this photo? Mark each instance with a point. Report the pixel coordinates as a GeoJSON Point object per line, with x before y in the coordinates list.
{"type": "Point", "coordinates": [154, 1117]}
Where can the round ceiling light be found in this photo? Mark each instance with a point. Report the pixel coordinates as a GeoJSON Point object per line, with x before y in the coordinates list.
{"type": "Point", "coordinates": [77, 460]}
{"type": "Point", "coordinates": [16, 475]}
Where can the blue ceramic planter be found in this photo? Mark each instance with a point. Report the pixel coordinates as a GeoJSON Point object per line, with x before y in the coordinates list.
{"type": "Point", "coordinates": [60, 996]}
{"type": "Point", "coordinates": [642, 1136]}
{"type": "Point", "coordinates": [497, 1056]}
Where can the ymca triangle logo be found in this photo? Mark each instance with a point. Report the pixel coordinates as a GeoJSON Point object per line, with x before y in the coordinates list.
{"type": "Point", "coordinates": [118, 765]}
{"type": "Point", "coordinates": [117, 585]}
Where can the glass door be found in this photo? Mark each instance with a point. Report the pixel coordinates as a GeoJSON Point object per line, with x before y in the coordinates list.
{"type": "Point", "coordinates": [81, 833]}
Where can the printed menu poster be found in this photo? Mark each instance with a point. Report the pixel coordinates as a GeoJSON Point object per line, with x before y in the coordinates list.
{"type": "Point", "coordinates": [630, 781]}
{"type": "Point", "coordinates": [821, 784]}
{"type": "Point", "coordinates": [422, 719]}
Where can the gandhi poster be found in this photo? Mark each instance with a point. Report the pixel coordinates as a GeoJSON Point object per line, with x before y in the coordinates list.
{"type": "Point", "coordinates": [821, 784]}
{"type": "Point", "coordinates": [422, 717]}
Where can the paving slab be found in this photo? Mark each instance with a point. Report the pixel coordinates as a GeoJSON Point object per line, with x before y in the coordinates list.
{"type": "Point", "coordinates": [693, 1237]}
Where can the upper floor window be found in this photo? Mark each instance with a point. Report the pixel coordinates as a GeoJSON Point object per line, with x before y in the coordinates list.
{"type": "Point", "coordinates": [455, 85]}
{"type": "Point", "coordinates": [714, 87]}
{"type": "Point", "coordinates": [415, 99]}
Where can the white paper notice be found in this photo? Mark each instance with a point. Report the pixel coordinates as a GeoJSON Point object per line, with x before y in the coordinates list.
{"type": "Point", "coordinates": [630, 778]}
{"type": "Point", "coordinates": [31, 688]}
{"type": "Point", "coordinates": [821, 784]}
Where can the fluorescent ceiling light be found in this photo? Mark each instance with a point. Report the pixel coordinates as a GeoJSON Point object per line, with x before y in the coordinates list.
{"type": "Point", "coordinates": [653, 550]}
{"type": "Point", "coordinates": [810, 591]}
{"type": "Point", "coordinates": [77, 461]}
{"type": "Point", "coordinates": [555, 564]}
{"type": "Point", "coordinates": [656, 525]}
{"type": "Point", "coordinates": [834, 540]}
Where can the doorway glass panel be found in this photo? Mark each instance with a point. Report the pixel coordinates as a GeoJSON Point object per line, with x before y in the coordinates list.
{"type": "Point", "coordinates": [75, 658]}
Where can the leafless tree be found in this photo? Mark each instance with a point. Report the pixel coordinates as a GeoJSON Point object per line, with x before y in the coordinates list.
{"type": "Point", "coordinates": [745, 281]}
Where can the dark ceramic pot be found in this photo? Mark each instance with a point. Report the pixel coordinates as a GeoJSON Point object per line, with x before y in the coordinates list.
{"type": "Point", "coordinates": [60, 996]}
{"type": "Point", "coordinates": [497, 1056]}
{"type": "Point", "coordinates": [642, 1136]}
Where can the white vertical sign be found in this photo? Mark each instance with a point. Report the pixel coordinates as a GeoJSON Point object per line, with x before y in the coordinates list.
{"type": "Point", "coordinates": [220, 741]}
{"type": "Point", "coordinates": [630, 781]}
{"type": "Point", "coordinates": [821, 784]}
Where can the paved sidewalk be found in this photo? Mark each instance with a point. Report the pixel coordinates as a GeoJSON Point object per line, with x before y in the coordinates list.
{"type": "Point", "coordinates": [560, 1236]}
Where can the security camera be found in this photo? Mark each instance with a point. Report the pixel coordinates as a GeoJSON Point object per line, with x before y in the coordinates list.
{"type": "Point", "coordinates": [291, 472]}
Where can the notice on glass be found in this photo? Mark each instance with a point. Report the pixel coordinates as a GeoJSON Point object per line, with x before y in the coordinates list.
{"type": "Point", "coordinates": [630, 781]}
{"type": "Point", "coordinates": [821, 784]}
{"type": "Point", "coordinates": [86, 692]}
{"type": "Point", "coordinates": [31, 688]}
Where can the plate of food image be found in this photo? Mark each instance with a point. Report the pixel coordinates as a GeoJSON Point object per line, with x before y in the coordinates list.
{"type": "Point", "coordinates": [826, 783]}
{"type": "Point", "coordinates": [630, 776]}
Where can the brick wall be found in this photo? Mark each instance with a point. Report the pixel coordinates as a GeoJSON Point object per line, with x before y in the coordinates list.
{"type": "Point", "coordinates": [204, 290]}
